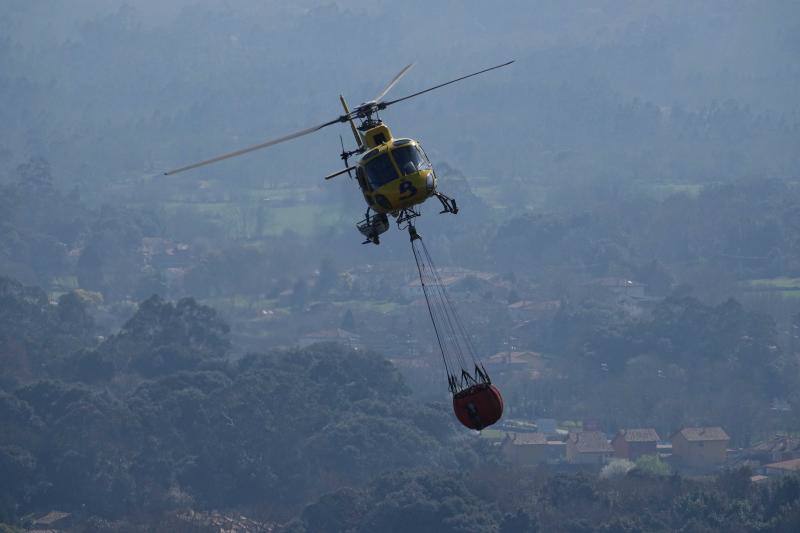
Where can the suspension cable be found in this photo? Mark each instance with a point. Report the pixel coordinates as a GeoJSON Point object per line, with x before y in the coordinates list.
{"type": "Point", "coordinates": [430, 311]}
{"type": "Point", "coordinates": [454, 342]}
{"type": "Point", "coordinates": [459, 329]}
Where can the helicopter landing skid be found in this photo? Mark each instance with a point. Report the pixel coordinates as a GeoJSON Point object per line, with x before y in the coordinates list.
{"type": "Point", "coordinates": [448, 204]}
{"type": "Point", "coordinates": [372, 226]}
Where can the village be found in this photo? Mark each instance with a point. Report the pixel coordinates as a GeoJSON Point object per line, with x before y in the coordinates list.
{"type": "Point", "coordinates": [567, 445]}
{"type": "Point", "coordinates": [509, 316]}
{"type": "Point", "coordinates": [688, 451]}
{"type": "Point", "coordinates": [362, 306]}
{"type": "Point", "coordinates": [360, 310]}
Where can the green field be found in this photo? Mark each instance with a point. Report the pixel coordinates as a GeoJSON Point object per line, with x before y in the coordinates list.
{"type": "Point", "coordinates": [782, 286]}
{"type": "Point", "coordinates": [369, 306]}
{"type": "Point", "coordinates": [492, 434]}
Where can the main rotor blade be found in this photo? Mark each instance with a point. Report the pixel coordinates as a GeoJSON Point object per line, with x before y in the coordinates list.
{"type": "Point", "coordinates": [257, 146]}
{"type": "Point", "coordinates": [384, 105]}
{"type": "Point", "coordinates": [393, 82]}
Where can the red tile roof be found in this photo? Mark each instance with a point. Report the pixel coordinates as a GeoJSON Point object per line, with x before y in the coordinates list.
{"type": "Point", "coordinates": [590, 442]}
{"type": "Point", "coordinates": [779, 443]}
{"type": "Point", "coordinates": [527, 439]}
{"type": "Point", "coordinates": [639, 435]}
{"type": "Point", "coordinates": [713, 433]}
{"type": "Point", "coordinates": [792, 465]}
{"type": "Point", "coordinates": [50, 518]}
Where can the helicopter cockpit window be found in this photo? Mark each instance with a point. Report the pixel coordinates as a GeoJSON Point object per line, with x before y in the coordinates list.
{"type": "Point", "coordinates": [362, 181]}
{"type": "Point", "coordinates": [380, 171]}
{"type": "Point", "coordinates": [409, 159]}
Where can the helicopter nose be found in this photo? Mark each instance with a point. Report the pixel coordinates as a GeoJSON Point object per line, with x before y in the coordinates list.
{"type": "Point", "coordinates": [429, 183]}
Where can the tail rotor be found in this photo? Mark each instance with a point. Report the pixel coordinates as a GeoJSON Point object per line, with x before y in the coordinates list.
{"type": "Point", "coordinates": [345, 155]}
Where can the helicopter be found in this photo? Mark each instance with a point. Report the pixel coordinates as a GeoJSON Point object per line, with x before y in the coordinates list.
{"type": "Point", "coordinates": [395, 175]}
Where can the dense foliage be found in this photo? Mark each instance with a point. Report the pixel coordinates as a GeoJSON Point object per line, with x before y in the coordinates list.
{"type": "Point", "coordinates": [528, 501]}
{"type": "Point", "coordinates": [273, 431]}
{"type": "Point", "coordinates": [685, 362]}
{"type": "Point", "coordinates": [204, 431]}
{"type": "Point", "coordinates": [35, 336]}
{"type": "Point", "coordinates": [740, 230]}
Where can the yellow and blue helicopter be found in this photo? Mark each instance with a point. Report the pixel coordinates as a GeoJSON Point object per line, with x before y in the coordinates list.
{"type": "Point", "coordinates": [394, 174]}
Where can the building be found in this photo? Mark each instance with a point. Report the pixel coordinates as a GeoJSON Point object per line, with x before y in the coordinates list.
{"type": "Point", "coordinates": [216, 521]}
{"type": "Point", "coordinates": [588, 447]}
{"type": "Point", "coordinates": [774, 450]}
{"type": "Point", "coordinates": [532, 310]}
{"type": "Point", "coordinates": [52, 521]}
{"type": "Point", "coordinates": [621, 286]}
{"type": "Point", "coordinates": [470, 284]}
{"type": "Point", "coordinates": [700, 447]}
{"type": "Point", "coordinates": [339, 336]}
{"type": "Point", "coordinates": [783, 468]}
{"type": "Point", "coordinates": [525, 448]}
{"type": "Point", "coordinates": [633, 443]}
{"type": "Point", "coordinates": [516, 361]}
{"type": "Point", "coordinates": [548, 426]}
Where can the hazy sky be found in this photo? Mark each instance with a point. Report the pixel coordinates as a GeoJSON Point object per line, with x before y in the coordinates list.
{"type": "Point", "coordinates": [109, 88]}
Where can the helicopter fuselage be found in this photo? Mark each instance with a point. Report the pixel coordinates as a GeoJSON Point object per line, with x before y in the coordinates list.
{"type": "Point", "coordinates": [394, 174]}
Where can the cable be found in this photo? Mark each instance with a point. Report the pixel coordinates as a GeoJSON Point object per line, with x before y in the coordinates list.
{"type": "Point", "coordinates": [430, 312]}
{"type": "Point", "coordinates": [451, 335]}
{"type": "Point", "coordinates": [459, 329]}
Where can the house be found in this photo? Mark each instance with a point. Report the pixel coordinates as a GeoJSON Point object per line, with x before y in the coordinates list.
{"type": "Point", "coordinates": [588, 447]}
{"type": "Point", "coordinates": [700, 447]}
{"type": "Point", "coordinates": [516, 361]}
{"type": "Point", "coordinates": [512, 359]}
{"type": "Point", "coordinates": [621, 286]}
{"type": "Point", "coordinates": [216, 521]}
{"type": "Point", "coordinates": [525, 448]}
{"type": "Point", "coordinates": [338, 335]}
{"type": "Point", "coordinates": [469, 284]}
{"type": "Point", "coordinates": [779, 448]}
{"type": "Point", "coordinates": [628, 295]}
{"type": "Point", "coordinates": [633, 443]}
{"type": "Point", "coordinates": [783, 468]}
{"type": "Point", "coordinates": [413, 289]}
{"type": "Point", "coordinates": [52, 521]}
{"type": "Point", "coordinates": [529, 309]}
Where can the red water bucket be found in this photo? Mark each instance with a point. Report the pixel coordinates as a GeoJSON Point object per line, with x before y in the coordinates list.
{"type": "Point", "coordinates": [478, 406]}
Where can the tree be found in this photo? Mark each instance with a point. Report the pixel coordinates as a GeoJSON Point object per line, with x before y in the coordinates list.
{"type": "Point", "coordinates": [35, 175]}
{"type": "Point", "coordinates": [616, 468]}
{"type": "Point", "coordinates": [327, 278]}
{"type": "Point", "coordinates": [299, 293]}
{"type": "Point", "coordinates": [653, 465]}
{"type": "Point", "coordinates": [163, 337]}
{"type": "Point", "coordinates": [37, 337]}
{"type": "Point", "coordinates": [519, 522]}
{"type": "Point", "coordinates": [348, 321]}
